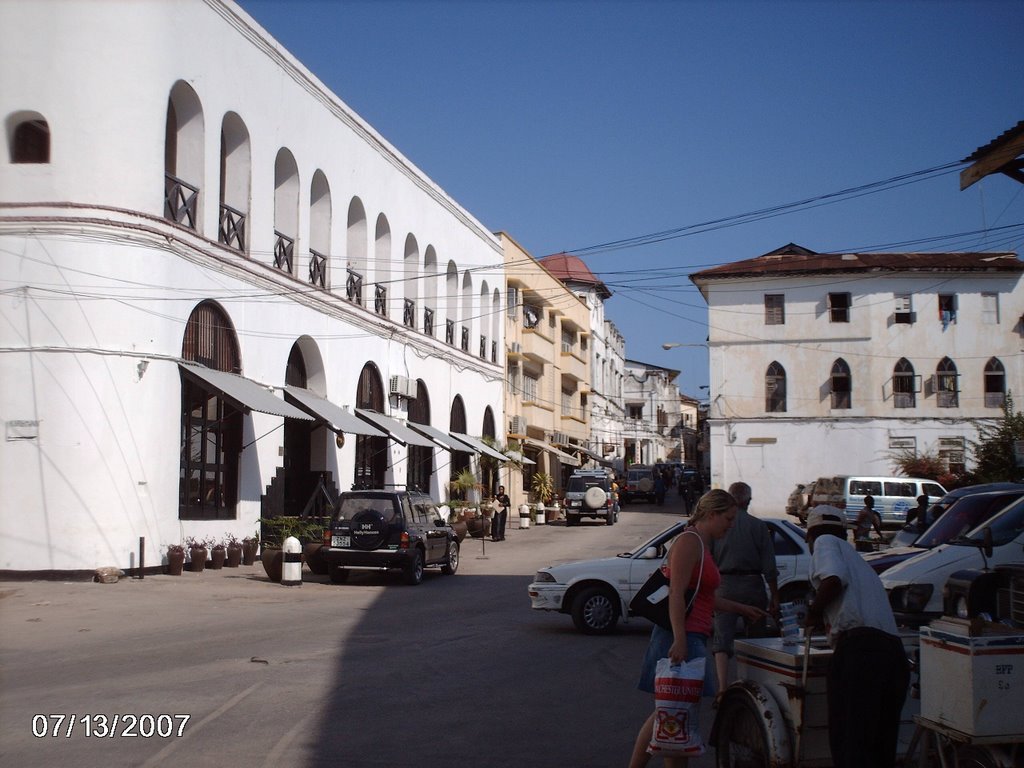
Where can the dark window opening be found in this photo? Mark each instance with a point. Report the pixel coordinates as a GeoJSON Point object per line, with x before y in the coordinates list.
{"type": "Point", "coordinates": [774, 309]}
{"type": "Point", "coordinates": [31, 142]}
{"type": "Point", "coordinates": [839, 307]}
{"type": "Point", "coordinates": [775, 389]}
{"type": "Point", "coordinates": [840, 384]}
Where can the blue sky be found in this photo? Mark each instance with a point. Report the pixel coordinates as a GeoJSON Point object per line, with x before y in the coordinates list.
{"type": "Point", "coordinates": [574, 124]}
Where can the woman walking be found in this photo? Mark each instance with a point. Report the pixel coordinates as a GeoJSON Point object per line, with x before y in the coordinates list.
{"type": "Point", "coordinates": [687, 569]}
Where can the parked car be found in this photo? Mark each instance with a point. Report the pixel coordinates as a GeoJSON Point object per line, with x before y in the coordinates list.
{"type": "Point", "coordinates": [969, 509]}
{"type": "Point", "coordinates": [589, 494]}
{"type": "Point", "coordinates": [894, 496]}
{"type": "Point", "coordinates": [596, 593]}
{"type": "Point", "coordinates": [915, 585]}
{"type": "Point", "coordinates": [994, 492]}
{"type": "Point", "coordinates": [389, 530]}
{"type": "Point", "coordinates": [639, 483]}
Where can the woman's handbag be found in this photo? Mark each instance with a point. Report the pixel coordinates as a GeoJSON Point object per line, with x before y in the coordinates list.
{"type": "Point", "coordinates": [651, 600]}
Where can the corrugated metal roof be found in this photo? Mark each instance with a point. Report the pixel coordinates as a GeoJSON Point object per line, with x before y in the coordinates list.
{"type": "Point", "coordinates": [796, 260]}
{"type": "Point", "coordinates": [1004, 138]}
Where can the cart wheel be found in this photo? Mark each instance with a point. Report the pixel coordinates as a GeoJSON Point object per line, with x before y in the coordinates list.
{"type": "Point", "coordinates": [974, 756]}
{"type": "Point", "coordinates": [741, 734]}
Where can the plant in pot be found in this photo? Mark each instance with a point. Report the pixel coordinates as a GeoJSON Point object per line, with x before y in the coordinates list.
{"type": "Point", "coordinates": [313, 542]}
{"type": "Point", "coordinates": [234, 550]}
{"type": "Point", "coordinates": [218, 555]}
{"type": "Point", "coordinates": [542, 487]}
{"type": "Point", "coordinates": [249, 546]}
{"type": "Point", "coordinates": [275, 531]}
{"type": "Point", "coordinates": [175, 559]}
{"type": "Point", "coordinates": [462, 488]}
{"type": "Point", "coordinates": [197, 551]}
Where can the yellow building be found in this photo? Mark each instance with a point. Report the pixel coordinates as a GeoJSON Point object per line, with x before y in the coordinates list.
{"type": "Point", "coordinates": [547, 337]}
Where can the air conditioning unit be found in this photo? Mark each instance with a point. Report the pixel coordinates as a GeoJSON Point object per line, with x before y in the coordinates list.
{"type": "Point", "coordinates": [515, 348]}
{"type": "Point", "coordinates": [517, 426]}
{"type": "Point", "coordinates": [560, 438]}
{"type": "Point", "coordinates": [402, 387]}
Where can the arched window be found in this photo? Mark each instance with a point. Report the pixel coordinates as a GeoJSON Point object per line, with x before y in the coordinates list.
{"type": "Point", "coordinates": [286, 210]}
{"type": "Point", "coordinates": [841, 385]}
{"type": "Point", "coordinates": [381, 266]}
{"type": "Point", "coordinates": [430, 318]}
{"type": "Point", "coordinates": [30, 142]}
{"type": "Point", "coordinates": [211, 426]}
{"type": "Point", "coordinates": [904, 385]}
{"type": "Point", "coordinates": [485, 298]}
{"type": "Point", "coordinates": [410, 281]}
{"type": "Point", "coordinates": [457, 423]}
{"type": "Point", "coordinates": [355, 253]}
{"type": "Point", "coordinates": [183, 157]}
{"type": "Point", "coordinates": [488, 464]}
{"type": "Point", "coordinates": [947, 388]}
{"type": "Point", "coordinates": [320, 213]}
{"type": "Point", "coordinates": [496, 318]}
{"type": "Point", "coordinates": [371, 452]}
{"type": "Point", "coordinates": [466, 315]}
{"type": "Point", "coordinates": [995, 384]}
{"type": "Point", "coordinates": [421, 459]}
{"type": "Point", "coordinates": [235, 177]}
{"type": "Point", "coordinates": [775, 389]}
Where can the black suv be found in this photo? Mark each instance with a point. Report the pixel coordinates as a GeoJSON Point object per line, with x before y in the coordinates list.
{"type": "Point", "coordinates": [389, 530]}
{"type": "Point", "coordinates": [589, 494]}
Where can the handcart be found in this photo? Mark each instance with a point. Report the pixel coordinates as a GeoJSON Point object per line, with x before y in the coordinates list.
{"type": "Point", "coordinates": [775, 715]}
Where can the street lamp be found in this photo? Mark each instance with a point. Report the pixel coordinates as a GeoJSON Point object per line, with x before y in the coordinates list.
{"type": "Point", "coordinates": [674, 344]}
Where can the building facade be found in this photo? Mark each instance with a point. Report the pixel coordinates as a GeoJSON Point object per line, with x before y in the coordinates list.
{"type": "Point", "coordinates": [827, 364]}
{"type": "Point", "coordinates": [652, 413]}
{"type": "Point", "coordinates": [224, 289]}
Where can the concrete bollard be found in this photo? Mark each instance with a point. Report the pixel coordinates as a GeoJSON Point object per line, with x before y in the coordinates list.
{"type": "Point", "coordinates": [291, 570]}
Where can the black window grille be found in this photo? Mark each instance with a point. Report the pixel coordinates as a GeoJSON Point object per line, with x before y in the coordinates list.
{"type": "Point", "coordinates": [428, 321]}
{"type": "Point", "coordinates": [409, 313]}
{"type": "Point", "coordinates": [232, 227]}
{"type": "Point", "coordinates": [380, 299]}
{"type": "Point", "coordinates": [317, 269]}
{"type": "Point", "coordinates": [465, 339]}
{"type": "Point", "coordinates": [284, 249]}
{"type": "Point", "coordinates": [449, 332]}
{"type": "Point", "coordinates": [180, 201]}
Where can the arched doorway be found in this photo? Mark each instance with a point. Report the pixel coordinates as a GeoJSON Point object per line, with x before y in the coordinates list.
{"type": "Point", "coordinates": [299, 481]}
{"type": "Point", "coordinates": [371, 452]}
{"type": "Point", "coordinates": [457, 423]}
{"type": "Point", "coordinates": [421, 459]}
{"type": "Point", "coordinates": [489, 465]}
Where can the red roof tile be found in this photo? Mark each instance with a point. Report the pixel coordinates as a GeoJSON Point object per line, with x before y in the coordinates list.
{"type": "Point", "coordinates": [567, 267]}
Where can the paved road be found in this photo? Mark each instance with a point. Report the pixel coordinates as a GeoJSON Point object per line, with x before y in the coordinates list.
{"type": "Point", "coordinates": [457, 671]}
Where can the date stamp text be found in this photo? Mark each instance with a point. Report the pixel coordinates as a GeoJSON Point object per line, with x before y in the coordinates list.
{"type": "Point", "coordinates": [116, 726]}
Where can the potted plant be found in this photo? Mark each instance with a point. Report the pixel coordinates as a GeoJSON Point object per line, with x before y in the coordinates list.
{"type": "Point", "coordinates": [275, 531]}
{"type": "Point", "coordinates": [234, 550]}
{"type": "Point", "coordinates": [463, 488]}
{"type": "Point", "coordinates": [249, 546]}
{"type": "Point", "coordinates": [175, 559]}
{"type": "Point", "coordinates": [218, 555]}
{"type": "Point", "coordinates": [542, 486]}
{"type": "Point", "coordinates": [313, 542]}
{"type": "Point", "coordinates": [197, 551]}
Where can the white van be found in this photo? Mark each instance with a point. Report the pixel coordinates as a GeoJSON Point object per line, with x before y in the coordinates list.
{"type": "Point", "coordinates": [894, 496]}
{"type": "Point", "coordinates": [915, 586]}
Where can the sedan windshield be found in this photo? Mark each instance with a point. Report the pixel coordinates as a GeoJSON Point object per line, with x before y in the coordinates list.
{"type": "Point", "coordinates": [1006, 526]}
{"type": "Point", "coordinates": [658, 540]}
{"type": "Point", "coordinates": [965, 514]}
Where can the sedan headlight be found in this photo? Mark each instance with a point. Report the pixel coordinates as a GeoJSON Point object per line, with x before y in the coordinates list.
{"type": "Point", "coordinates": [912, 598]}
{"type": "Point", "coordinates": [543, 577]}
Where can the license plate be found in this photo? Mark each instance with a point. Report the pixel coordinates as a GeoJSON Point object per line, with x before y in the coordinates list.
{"type": "Point", "coordinates": [341, 541]}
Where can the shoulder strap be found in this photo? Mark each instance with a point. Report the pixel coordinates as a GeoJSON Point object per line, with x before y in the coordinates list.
{"type": "Point", "coordinates": [700, 569]}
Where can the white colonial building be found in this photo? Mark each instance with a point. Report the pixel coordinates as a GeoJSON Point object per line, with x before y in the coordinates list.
{"type": "Point", "coordinates": [653, 412]}
{"type": "Point", "coordinates": [831, 363]}
{"type": "Point", "coordinates": [221, 287]}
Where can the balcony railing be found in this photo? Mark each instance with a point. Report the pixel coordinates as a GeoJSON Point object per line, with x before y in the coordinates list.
{"type": "Point", "coordinates": [284, 250]}
{"type": "Point", "coordinates": [380, 299]}
{"type": "Point", "coordinates": [180, 201]}
{"type": "Point", "coordinates": [428, 321]}
{"type": "Point", "coordinates": [449, 332]}
{"type": "Point", "coordinates": [465, 339]}
{"type": "Point", "coordinates": [494, 351]}
{"type": "Point", "coordinates": [354, 287]}
{"type": "Point", "coordinates": [994, 399]}
{"type": "Point", "coordinates": [409, 313]}
{"type": "Point", "coordinates": [232, 227]}
{"type": "Point", "coordinates": [317, 269]}
{"type": "Point", "coordinates": [483, 347]}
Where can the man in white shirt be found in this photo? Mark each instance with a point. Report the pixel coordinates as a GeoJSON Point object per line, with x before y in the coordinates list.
{"type": "Point", "coordinates": [868, 673]}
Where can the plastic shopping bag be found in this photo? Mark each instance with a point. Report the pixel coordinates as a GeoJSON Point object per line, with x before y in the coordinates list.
{"type": "Point", "coordinates": [677, 692]}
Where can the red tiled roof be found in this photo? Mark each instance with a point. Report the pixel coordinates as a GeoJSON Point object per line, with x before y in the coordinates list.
{"type": "Point", "coordinates": [796, 260]}
{"type": "Point", "coordinates": [567, 267]}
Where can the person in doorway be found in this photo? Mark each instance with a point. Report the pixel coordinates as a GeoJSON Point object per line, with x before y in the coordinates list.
{"type": "Point", "coordinates": [686, 569]}
{"type": "Point", "coordinates": [500, 515]}
{"type": "Point", "coordinates": [746, 560]}
{"type": "Point", "coordinates": [867, 519]}
{"type": "Point", "coordinates": [868, 673]}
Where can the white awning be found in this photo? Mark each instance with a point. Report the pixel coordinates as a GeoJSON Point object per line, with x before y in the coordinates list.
{"type": "Point", "coordinates": [336, 417]}
{"type": "Point", "coordinates": [519, 458]}
{"type": "Point", "coordinates": [245, 393]}
{"type": "Point", "coordinates": [479, 446]}
{"type": "Point", "coordinates": [436, 435]}
{"type": "Point", "coordinates": [396, 430]}
{"type": "Point", "coordinates": [565, 458]}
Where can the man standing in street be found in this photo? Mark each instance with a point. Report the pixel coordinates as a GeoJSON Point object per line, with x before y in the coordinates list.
{"type": "Point", "coordinates": [500, 515]}
{"type": "Point", "coordinates": [746, 560]}
{"type": "Point", "coordinates": [868, 673]}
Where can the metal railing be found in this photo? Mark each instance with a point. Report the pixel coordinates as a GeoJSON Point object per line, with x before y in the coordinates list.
{"type": "Point", "coordinates": [494, 351]}
{"type": "Point", "coordinates": [317, 268]}
{"type": "Point", "coordinates": [180, 201]}
{"type": "Point", "coordinates": [284, 250]}
{"type": "Point", "coordinates": [409, 313]}
{"type": "Point", "coordinates": [354, 286]}
{"type": "Point", "coordinates": [231, 231]}
{"type": "Point", "coordinates": [428, 321]}
{"type": "Point", "coordinates": [449, 332]}
{"type": "Point", "coordinates": [465, 339]}
{"type": "Point", "coordinates": [380, 299]}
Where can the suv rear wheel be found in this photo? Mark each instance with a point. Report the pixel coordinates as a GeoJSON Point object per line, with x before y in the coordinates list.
{"type": "Point", "coordinates": [609, 517]}
{"type": "Point", "coordinates": [338, 575]}
{"type": "Point", "coordinates": [413, 572]}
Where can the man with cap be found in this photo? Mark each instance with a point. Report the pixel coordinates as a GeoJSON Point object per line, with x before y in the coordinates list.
{"type": "Point", "coordinates": [868, 673]}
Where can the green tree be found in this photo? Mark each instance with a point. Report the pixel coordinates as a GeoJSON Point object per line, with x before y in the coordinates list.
{"type": "Point", "coordinates": [994, 455]}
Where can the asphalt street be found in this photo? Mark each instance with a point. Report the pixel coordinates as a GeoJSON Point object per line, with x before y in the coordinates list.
{"type": "Point", "coordinates": [224, 668]}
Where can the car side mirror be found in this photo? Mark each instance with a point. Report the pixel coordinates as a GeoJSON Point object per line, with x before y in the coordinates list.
{"type": "Point", "coordinates": [649, 554]}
